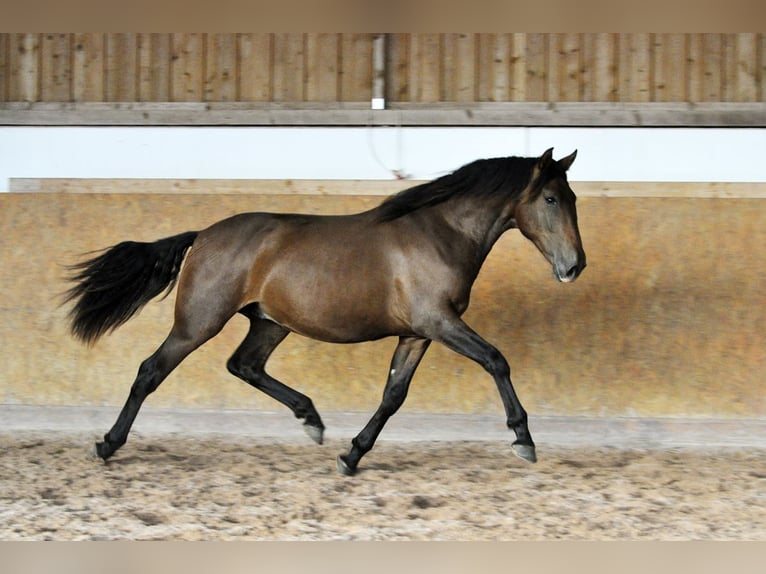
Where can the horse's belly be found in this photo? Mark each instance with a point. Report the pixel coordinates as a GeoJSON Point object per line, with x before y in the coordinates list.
{"type": "Point", "coordinates": [343, 308]}
{"type": "Point", "coordinates": [333, 322]}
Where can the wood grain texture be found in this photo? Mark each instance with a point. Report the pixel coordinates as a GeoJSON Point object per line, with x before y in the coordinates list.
{"type": "Point", "coordinates": [23, 67]}
{"type": "Point", "coordinates": [420, 67]}
{"type": "Point", "coordinates": [187, 67]}
{"type": "Point", "coordinates": [154, 75]}
{"type": "Point", "coordinates": [56, 67]}
{"type": "Point", "coordinates": [256, 81]}
{"type": "Point", "coordinates": [289, 68]}
{"type": "Point", "coordinates": [366, 187]}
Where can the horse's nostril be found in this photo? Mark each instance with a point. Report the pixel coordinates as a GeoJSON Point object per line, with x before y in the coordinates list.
{"type": "Point", "coordinates": [572, 273]}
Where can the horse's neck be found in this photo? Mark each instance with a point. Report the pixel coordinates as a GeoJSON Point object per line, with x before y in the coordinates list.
{"type": "Point", "coordinates": [478, 221]}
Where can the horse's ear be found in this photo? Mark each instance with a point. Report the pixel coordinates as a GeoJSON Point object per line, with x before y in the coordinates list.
{"type": "Point", "coordinates": [534, 187]}
{"type": "Point", "coordinates": [545, 160]}
{"type": "Point", "coordinates": [566, 162]}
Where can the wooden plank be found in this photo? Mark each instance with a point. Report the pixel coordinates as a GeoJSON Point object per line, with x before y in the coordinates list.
{"type": "Point", "coordinates": [211, 186]}
{"type": "Point", "coordinates": [519, 64]}
{"type": "Point", "coordinates": [5, 66]}
{"type": "Point", "coordinates": [255, 67]}
{"type": "Point", "coordinates": [56, 68]}
{"type": "Point", "coordinates": [356, 67]}
{"type": "Point", "coordinates": [565, 78]}
{"type": "Point", "coordinates": [465, 86]}
{"type": "Point", "coordinates": [398, 59]}
{"type": "Point", "coordinates": [448, 69]}
{"type": "Point", "coordinates": [744, 73]}
{"type": "Point", "coordinates": [289, 67]}
{"type": "Point", "coordinates": [458, 68]}
{"type": "Point", "coordinates": [493, 67]}
{"type": "Point", "coordinates": [762, 67]}
{"type": "Point", "coordinates": [676, 67]}
{"type": "Point", "coordinates": [121, 77]}
{"type": "Point", "coordinates": [537, 68]}
{"type": "Point", "coordinates": [88, 68]}
{"type": "Point", "coordinates": [187, 67]}
{"type": "Point", "coordinates": [323, 67]}
{"type": "Point", "coordinates": [694, 56]}
{"type": "Point", "coordinates": [425, 73]}
{"type": "Point", "coordinates": [712, 62]}
{"type": "Point", "coordinates": [729, 68]}
{"type": "Point", "coordinates": [600, 67]}
{"type": "Point", "coordinates": [589, 68]}
{"type": "Point", "coordinates": [559, 114]}
{"type": "Point", "coordinates": [154, 77]}
{"type": "Point", "coordinates": [24, 77]}
{"type": "Point", "coordinates": [702, 190]}
{"type": "Point", "coordinates": [221, 68]}
{"type": "Point", "coordinates": [669, 53]}
{"type": "Point", "coordinates": [641, 71]}
{"type": "Point", "coordinates": [690, 190]}
{"type": "Point", "coordinates": [627, 77]}
{"type": "Point", "coordinates": [486, 67]}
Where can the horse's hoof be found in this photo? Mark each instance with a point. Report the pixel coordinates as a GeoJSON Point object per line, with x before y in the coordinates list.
{"type": "Point", "coordinates": [524, 451]}
{"type": "Point", "coordinates": [315, 433]}
{"type": "Point", "coordinates": [96, 452]}
{"type": "Point", "coordinates": [343, 468]}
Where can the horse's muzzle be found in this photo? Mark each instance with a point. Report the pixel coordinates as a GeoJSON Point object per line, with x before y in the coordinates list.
{"type": "Point", "coordinates": [567, 274]}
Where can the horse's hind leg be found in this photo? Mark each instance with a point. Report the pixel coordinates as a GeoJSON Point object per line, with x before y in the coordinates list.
{"type": "Point", "coordinates": [406, 359]}
{"type": "Point", "coordinates": [248, 363]}
{"type": "Point", "coordinates": [151, 373]}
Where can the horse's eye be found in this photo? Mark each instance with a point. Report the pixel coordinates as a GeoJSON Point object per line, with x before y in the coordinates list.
{"type": "Point", "coordinates": [551, 200]}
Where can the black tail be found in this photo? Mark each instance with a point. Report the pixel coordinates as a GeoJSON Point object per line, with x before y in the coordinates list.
{"type": "Point", "coordinates": [113, 286]}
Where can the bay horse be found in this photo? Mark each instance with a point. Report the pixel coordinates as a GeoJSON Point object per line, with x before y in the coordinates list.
{"type": "Point", "coordinates": [404, 269]}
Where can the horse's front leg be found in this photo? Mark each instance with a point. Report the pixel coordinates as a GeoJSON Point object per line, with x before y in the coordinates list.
{"type": "Point", "coordinates": [459, 337]}
{"type": "Point", "coordinates": [406, 358]}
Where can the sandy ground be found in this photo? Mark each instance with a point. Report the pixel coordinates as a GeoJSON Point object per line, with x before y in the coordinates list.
{"type": "Point", "coordinates": [240, 488]}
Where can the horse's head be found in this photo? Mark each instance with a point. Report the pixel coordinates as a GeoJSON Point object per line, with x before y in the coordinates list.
{"type": "Point", "coordinates": [546, 214]}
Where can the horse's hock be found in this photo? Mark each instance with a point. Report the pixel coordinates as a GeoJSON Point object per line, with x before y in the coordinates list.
{"type": "Point", "coordinates": [668, 318]}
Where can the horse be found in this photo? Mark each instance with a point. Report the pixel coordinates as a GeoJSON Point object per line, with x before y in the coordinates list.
{"type": "Point", "coordinates": [402, 269]}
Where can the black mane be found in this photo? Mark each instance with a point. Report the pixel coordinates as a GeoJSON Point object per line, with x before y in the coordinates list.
{"type": "Point", "coordinates": [479, 178]}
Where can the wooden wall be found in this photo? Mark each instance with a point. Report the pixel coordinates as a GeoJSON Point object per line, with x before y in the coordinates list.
{"type": "Point", "coordinates": [513, 67]}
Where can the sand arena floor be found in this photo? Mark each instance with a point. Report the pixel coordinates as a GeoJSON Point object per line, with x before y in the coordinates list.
{"type": "Point", "coordinates": [167, 487]}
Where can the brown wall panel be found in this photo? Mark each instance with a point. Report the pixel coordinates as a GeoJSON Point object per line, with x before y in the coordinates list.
{"type": "Point", "coordinates": [255, 65]}
{"type": "Point", "coordinates": [666, 320]}
{"type": "Point", "coordinates": [187, 67]}
{"type": "Point", "coordinates": [289, 67]}
{"type": "Point", "coordinates": [56, 63]}
{"type": "Point", "coordinates": [221, 68]}
{"type": "Point", "coordinates": [121, 72]}
{"type": "Point", "coordinates": [5, 66]}
{"type": "Point", "coordinates": [323, 58]}
{"type": "Point", "coordinates": [23, 67]}
{"type": "Point", "coordinates": [88, 68]}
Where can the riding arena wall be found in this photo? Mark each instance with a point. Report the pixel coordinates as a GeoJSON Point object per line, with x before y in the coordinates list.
{"type": "Point", "coordinates": [667, 320]}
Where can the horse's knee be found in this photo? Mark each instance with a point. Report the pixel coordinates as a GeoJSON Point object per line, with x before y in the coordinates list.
{"type": "Point", "coordinates": [496, 365]}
